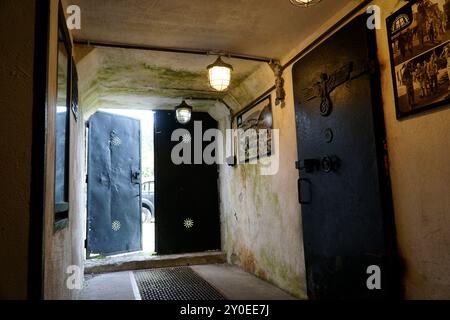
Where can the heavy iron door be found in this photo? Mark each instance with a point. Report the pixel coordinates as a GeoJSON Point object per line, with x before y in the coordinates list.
{"type": "Point", "coordinates": [114, 185]}
{"type": "Point", "coordinates": [344, 185]}
{"type": "Point", "coordinates": [186, 196]}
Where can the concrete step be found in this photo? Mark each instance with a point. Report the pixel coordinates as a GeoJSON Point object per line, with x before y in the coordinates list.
{"type": "Point", "coordinates": [139, 261]}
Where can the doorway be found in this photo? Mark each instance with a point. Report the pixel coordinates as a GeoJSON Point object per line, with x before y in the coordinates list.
{"type": "Point", "coordinates": [120, 217]}
{"type": "Point", "coordinates": [187, 211]}
{"type": "Point", "coordinates": [139, 198]}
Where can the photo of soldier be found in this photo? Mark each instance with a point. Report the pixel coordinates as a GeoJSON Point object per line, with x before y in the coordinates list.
{"type": "Point", "coordinates": [446, 56]}
{"type": "Point", "coordinates": [429, 27]}
{"type": "Point", "coordinates": [424, 80]}
{"type": "Point", "coordinates": [433, 70]}
{"type": "Point", "coordinates": [408, 81]}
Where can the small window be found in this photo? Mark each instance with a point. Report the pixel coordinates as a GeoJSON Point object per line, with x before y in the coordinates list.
{"type": "Point", "coordinates": [62, 128]}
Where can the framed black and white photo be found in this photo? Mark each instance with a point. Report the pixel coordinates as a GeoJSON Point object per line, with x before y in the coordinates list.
{"type": "Point", "coordinates": [419, 41]}
{"type": "Point", "coordinates": [254, 137]}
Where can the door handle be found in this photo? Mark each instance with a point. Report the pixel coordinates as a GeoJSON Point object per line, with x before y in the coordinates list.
{"type": "Point", "coordinates": [304, 191]}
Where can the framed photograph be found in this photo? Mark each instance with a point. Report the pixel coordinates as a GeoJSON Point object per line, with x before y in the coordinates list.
{"type": "Point", "coordinates": [254, 126]}
{"type": "Point", "coordinates": [419, 35]}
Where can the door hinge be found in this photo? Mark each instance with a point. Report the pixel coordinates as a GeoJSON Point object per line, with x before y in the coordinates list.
{"type": "Point", "coordinates": [87, 178]}
{"type": "Point", "coordinates": [85, 243]}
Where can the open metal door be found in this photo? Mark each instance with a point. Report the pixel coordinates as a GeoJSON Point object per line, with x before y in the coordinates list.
{"type": "Point", "coordinates": [186, 195]}
{"type": "Point", "coordinates": [344, 191]}
{"type": "Point", "coordinates": [114, 185]}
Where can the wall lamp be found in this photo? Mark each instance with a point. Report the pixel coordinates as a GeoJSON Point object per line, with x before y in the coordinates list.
{"type": "Point", "coordinates": [219, 74]}
{"type": "Point", "coordinates": [304, 3]}
{"type": "Point", "coordinates": [183, 113]}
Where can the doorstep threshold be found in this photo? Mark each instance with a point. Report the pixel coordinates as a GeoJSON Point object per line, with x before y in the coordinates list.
{"type": "Point", "coordinates": [140, 261]}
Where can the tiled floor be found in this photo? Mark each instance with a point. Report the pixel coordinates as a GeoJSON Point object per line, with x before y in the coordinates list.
{"type": "Point", "coordinates": [231, 281]}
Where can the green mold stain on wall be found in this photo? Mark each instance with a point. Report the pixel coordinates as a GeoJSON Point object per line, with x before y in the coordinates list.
{"type": "Point", "coordinates": [280, 273]}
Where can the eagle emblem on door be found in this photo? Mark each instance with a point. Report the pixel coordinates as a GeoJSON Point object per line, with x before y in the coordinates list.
{"type": "Point", "coordinates": [325, 86]}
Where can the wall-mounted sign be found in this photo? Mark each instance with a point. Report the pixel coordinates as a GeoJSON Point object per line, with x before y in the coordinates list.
{"type": "Point", "coordinates": [419, 35]}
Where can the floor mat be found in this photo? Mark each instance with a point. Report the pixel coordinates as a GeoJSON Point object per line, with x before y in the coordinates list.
{"type": "Point", "coordinates": [180, 283]}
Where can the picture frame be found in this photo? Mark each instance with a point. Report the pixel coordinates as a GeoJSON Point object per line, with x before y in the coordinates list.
{"type": "Point", "coordinates": [419, 46]}
{"type": "Point", "coordinates": [257, 117]}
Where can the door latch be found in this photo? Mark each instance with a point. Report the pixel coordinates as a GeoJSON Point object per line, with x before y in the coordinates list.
{"type": "Point", "coordinates": [309, 165]}
{"type": "Point", "coordinates": [136, 177]}
{"type": "Point", "coordinates": [327, 164]}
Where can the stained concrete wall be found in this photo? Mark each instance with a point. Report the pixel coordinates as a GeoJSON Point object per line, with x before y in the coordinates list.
{"type": "Point", "coordinates": [261, 225]}
{"type": "Point", "coordinates": [65, 247]}
{"type": "Point", "coordinates": [16, 103]}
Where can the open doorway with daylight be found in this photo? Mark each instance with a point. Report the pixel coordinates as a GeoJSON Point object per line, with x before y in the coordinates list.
{"type": "Point", "coordinates": [140, 197]}
{"type": "Point", "coordinates": [120, 183]}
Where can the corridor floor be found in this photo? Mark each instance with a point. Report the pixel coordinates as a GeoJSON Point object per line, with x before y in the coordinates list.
{"type": "Point", "coordinates": [232, 282]}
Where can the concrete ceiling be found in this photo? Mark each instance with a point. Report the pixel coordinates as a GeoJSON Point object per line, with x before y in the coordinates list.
{"type": "Point", "coordinates": [266, 28]}
{"type": "Point", "coordinates": [114, 77]}
{"type": "Point", "coordinates": [139, 79]}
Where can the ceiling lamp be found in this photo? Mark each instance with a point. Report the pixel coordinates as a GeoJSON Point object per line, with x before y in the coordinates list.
{"type": "Point", "coordinates": [219, 74]}
{"type": "Point", "coordinates": [304, 3]}
{"type": "Point", "coordinates": [183, 113]}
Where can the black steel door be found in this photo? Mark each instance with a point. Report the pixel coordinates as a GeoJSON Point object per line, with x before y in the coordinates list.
{"type": "Point", "coordinates": [186, 196]}
{"type": "Point", "coordinates": [343, 186]}
{"type": "Point", "coordinates": [114, 199]}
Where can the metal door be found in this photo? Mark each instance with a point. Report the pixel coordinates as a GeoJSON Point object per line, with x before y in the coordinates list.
{"type": "Point", "coordinates": [186, 196]}
{"type": "Point", "coordinates": [344, 186]}
{"type": "Point", "coordinates": [114, 185]}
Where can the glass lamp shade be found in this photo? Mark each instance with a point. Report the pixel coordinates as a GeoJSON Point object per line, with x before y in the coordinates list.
{"type": "Point", "coordinates": [183, 113]}
{"type": "Point", "coordinates": [219, 75]}
{"type": "Point", "coordinates": [304, 3]}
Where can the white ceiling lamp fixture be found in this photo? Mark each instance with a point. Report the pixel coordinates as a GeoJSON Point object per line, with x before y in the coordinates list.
{"type": "Point", "coordinates": [304, 3]}
{"type": "Point", "coordinates": [219, 74]}
{"type": "Point", "coordinates": [183, 113]}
